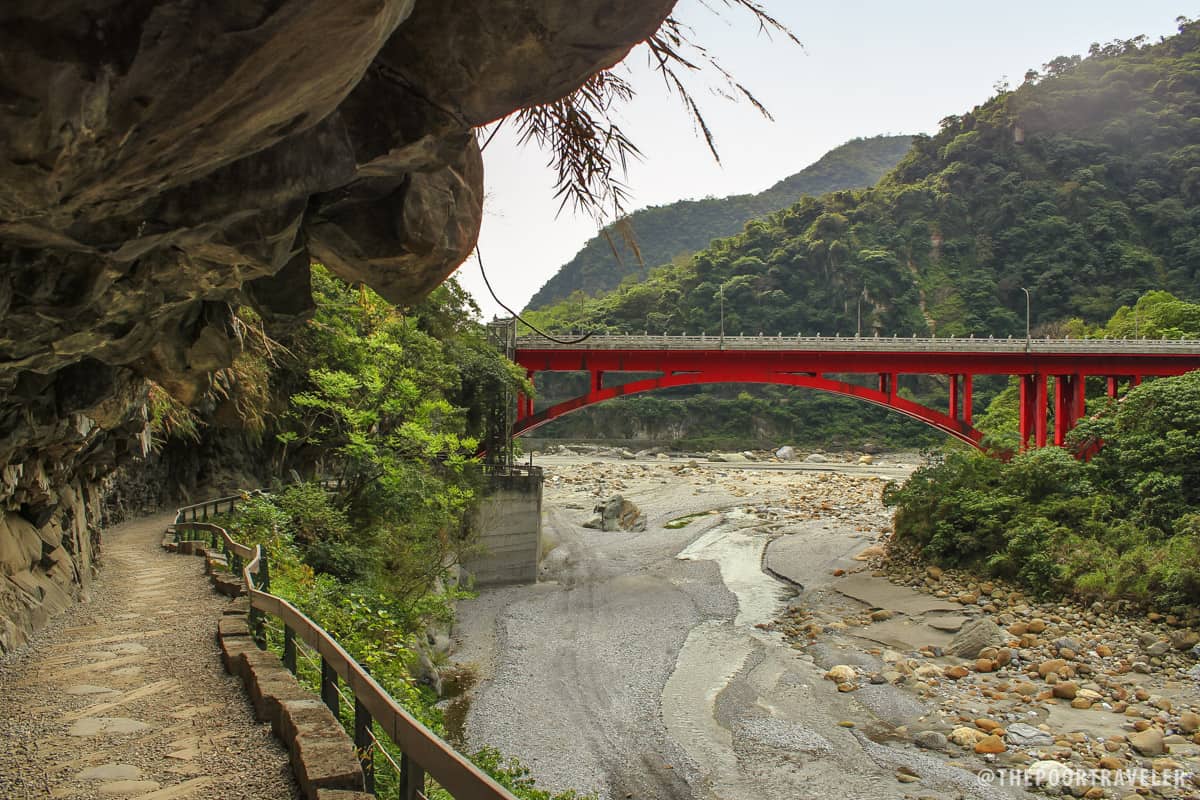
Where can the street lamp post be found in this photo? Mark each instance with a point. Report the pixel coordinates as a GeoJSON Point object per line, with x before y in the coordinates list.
{"type": "Point", "coordinates": [721, 290]}
{"type": "Point", "coordinates": [861, 295]}
{"type": "Point", "coordinates": [1026, 291]}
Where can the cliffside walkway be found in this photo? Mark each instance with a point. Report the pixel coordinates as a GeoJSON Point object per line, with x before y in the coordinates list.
{"type": "Point", "coordinates": [125, 695]}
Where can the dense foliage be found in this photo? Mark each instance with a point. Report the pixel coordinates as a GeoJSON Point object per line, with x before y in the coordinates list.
{"type": "Point", "coordinates": [677, 230]}
{"type": "Point", "coordinates": [1081, 185]}
{"type": "Point", "coordinates": [390, 401]}
{"type": "Point", "coordinates": [1125, 525]}
{"type": "Point", "coordinates": [383, 631]}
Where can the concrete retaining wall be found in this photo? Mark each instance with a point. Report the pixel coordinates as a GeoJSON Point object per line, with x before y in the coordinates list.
{"type": "Point", "coordinates": [510, 525]}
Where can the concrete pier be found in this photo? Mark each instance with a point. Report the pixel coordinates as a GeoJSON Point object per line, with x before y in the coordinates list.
{"type": "Point", "coordinates": [510, 526]}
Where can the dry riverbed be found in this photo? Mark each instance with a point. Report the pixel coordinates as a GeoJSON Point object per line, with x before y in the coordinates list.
{"type": "Point", "coordinates": [753, 642]}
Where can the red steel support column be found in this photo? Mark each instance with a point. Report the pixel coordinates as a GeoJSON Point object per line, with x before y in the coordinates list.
{"type": "Point", "coordinates": [597, 380]}
{"type": "Point", "coordinates": [1062, 391]}
{"type": "Point", "coordinates": [968, 390]}
{"type": "Point", "coordinates": [1025, 410]}
{"type": "Point", "coordinates": [885, 383]}
{"type": "Point", "coordinates": [1135, 380]}
{"type": "Point", "coordinates": [953, 397]}
{"type": "Point", "coordinates": [1040, 402]}
{"type": "Point", "coordinates": [1079, 399]}
{"type": "Point", "coordinates": [1112, 385]}
{"type": "Point", "coordinates": [520, 406]}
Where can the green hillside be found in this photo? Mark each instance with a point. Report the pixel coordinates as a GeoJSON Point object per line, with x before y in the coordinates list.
{"type": "Point", "coordinates": [1081, 185]}
{"type": "Point", "coordinates": [663, 233]}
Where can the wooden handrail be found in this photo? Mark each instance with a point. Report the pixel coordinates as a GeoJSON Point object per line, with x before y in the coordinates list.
{"type": "Point", "coordinates": [432, 754]}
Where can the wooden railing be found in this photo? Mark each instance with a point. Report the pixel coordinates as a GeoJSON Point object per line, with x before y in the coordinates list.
{"type": "Point", "coordinates": [423, 751]}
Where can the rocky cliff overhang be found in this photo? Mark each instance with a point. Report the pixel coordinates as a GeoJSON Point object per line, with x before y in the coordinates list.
{"type": "Point", "coordinates": [164, 161]}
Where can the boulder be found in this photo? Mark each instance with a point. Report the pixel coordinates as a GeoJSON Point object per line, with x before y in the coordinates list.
{"type": "Point", "coordinates": [1067, 643]}
{"type": "Point", "coordinates": [975, 636]}
{"type": "Point", "coordinates": [617, 514]}
{"type": "Point", "coordinates": [1184, 639]}
{"type": "Point", "coordinates": [1158, 648]}
{"type": "Point", "coordinates": [841, 673]}
{"type": "Point", "coordinates": [1020, 735]}
{"type": "Point", "coordinates": [1148, 742]}
{"type": "Point", "coordinates": [1065, 690]}
{"type": "Point", "coordinates": [967, 737]}
{"type": "Point", "coordinates": [786, 453]}
{"type": "Point", "coordinates": [930, 740]}
{"type": "Point", "coordinates": [1052, 773]}
{"type": "Point", "coordinates": [990, 745]}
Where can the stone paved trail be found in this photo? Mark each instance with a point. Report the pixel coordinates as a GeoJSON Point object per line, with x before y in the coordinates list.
{"type": "Point", "coordinates": [124, 696]}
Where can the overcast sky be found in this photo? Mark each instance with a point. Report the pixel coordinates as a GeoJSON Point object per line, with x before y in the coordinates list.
{"type": "Point", "coordinates": [866, 68]}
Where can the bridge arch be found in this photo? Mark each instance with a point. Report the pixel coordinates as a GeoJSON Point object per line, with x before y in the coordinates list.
{"type": "Point", "coordinates": [957, 428]}
{"type": "Point", "coordinates": [806, 361]}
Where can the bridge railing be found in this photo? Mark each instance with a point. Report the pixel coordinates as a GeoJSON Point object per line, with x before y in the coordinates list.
{"type": "Point", "coordinates": [423, 751]}
{"type": "Point", "coordinates": [866, 343]}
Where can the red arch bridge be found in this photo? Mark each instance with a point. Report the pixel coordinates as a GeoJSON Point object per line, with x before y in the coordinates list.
{"type": "Point", "coordinates": [873, 363]}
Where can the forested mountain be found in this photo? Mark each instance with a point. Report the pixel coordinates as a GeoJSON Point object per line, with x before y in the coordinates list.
{"type": "Point", "coordinates": [663, 233]}
{"type": "Point", "coordinates": [1081, 185]}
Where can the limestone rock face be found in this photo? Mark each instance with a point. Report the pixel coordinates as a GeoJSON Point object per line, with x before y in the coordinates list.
{"type": "Point", "coordinates": [164, 161]}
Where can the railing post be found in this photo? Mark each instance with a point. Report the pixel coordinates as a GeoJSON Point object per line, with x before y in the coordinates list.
{"type": "Point", "coordinates": [204, 515]}
{"type": "Point", "coordinates": [257, 623]}
{"type": "Point", "coordinates": [289, 648]}
{"type": "Point", "coordinates": [257, 628]}
{"type": "Point", "coordinates": [363, 744]}
{"type": "Point", "coordinates": [412, 779]}
{"type": "Point", "coordinates": [329, 692]}
{"type": "Point", "coordinates": [264, 572]}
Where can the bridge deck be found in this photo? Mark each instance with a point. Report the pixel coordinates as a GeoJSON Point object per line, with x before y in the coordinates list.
{"type": "Point", "coordinates": [876, 344]}
{"type": "Point", "coordinates": [826, 363]}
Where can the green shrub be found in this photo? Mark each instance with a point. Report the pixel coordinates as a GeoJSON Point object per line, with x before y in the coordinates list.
{"type": "Point", "coordinates": [1124, 526]}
